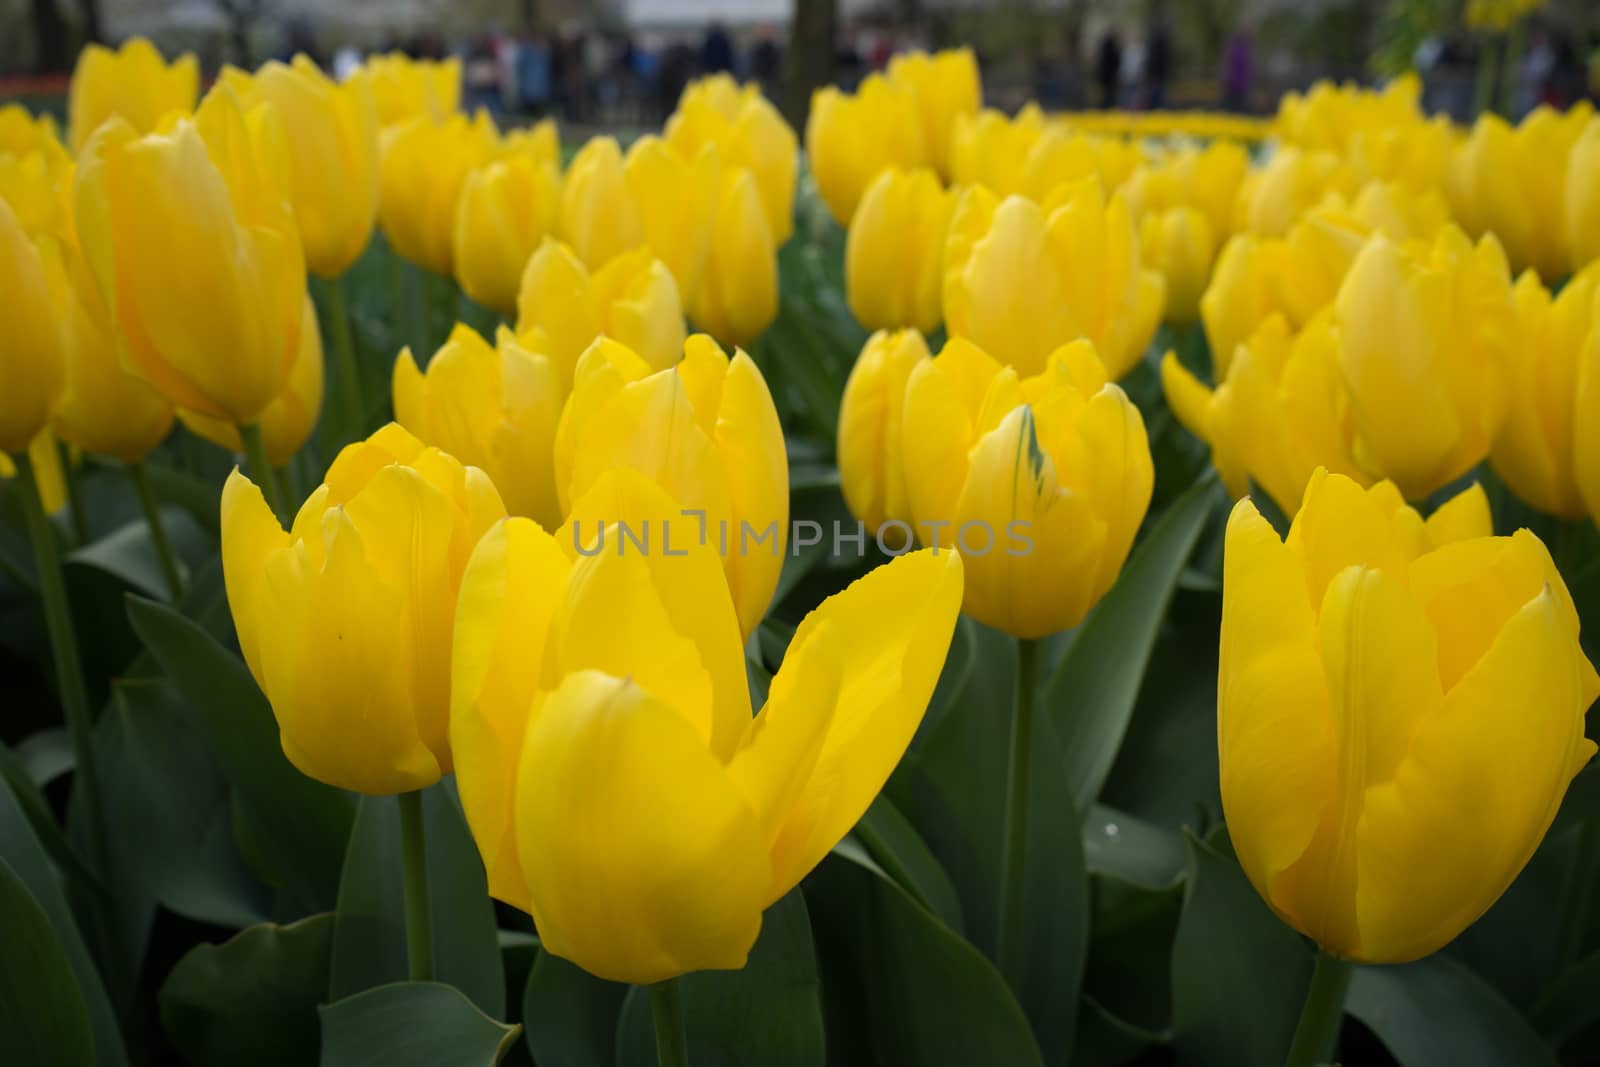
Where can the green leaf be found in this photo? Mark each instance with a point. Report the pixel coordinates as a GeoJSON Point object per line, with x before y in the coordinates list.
{"type": "Point", "coordinates": [43, 1018]}
{"type": "Point", "coordinates": [1092, 693]}
{"type": "Point", "coordinates": [369, 947]}
{"type": "Point", "coordinates": [46, 754]}
{"type": "Point", "coordinates": [1437, 1013]}
{"type": "Point", "coordinates": [198, 497]}
{"type": "Point", "coordinates": [1104, 1040]}
{"type": "Point", "coordinates": [252, 999]}
{"type": "Point", "coordinates": [1239, 975]}
{"type": "Point", "coordinates": [411, 1024]}
{"type": "Point", "coordinates": [569, 1015]}
{"type": "Point", "coordinates": [1131, 849]}
{"type": "Point", "coordinates": [900, 987]}
{"type": "Point", "coordinates": [41, 820]}
{"type": "Point", "coordinates": [129, 555]}
{"type": "Point", "coordinates": [768, 1014]}
{"type": "Point", "coordinates": [1133, 929]}
{"type": "Point", "coordinates": [894, 844]}
{"type": "Point", "coordinates": [303, 824]}
{"type": "Point", "coordinates": [1569, 1007]}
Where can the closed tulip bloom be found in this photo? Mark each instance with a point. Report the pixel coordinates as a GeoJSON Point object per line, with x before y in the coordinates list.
{"type": "Point", "coordinates": [851, 137]}
{"type": "Point", "coordinates": [599, 220]}
{"type": "Point", "coordinates": [1059, 156]}
{"type": "Point", "coordinates": [1238, 299]}
{"type": "Point", "coordinates": [562, 308]}
{"type": "Point", "coordinates": [492, 407]}
{"type": "Point", "coordinates": [345, 619]}
{"type": "Point", "coordinates": [1021, 280]}
{"type": "Point", "coordinates": [1586, 431]}
{"type": "Point", "coordinates": [1040, 481]}
{"type": "Point", "coordinates": [1210, 178]}
{"type": "Point", "coordinates": [748, 132]}
{"type": "Point", "coordinates": [287, 423]}
{"type": "Point", "coordinates": [1582, 198]}
{"type": "Point", "coordinates": [871, 458]}
{"type": "Point", "coordinates": [333, 155]}
{"type": "Point", "coordinates": [33, 343]}
{"type": "Point", "coordinates": [133, 83]}
{"type": "Point", "coordinates": [894, 255]}
{"type": "Point", "coordinates": [505, 212]}
{"type": "Point", "coordinates": [1304, 269]}
{"type": "Point", "coordinates": [737, 295]}
{"type": "Point", "coordinates": [707, 432]}
{"type": "Point", "coordinates": [676, 197]}
{"type": "Point", "coordinates": [1292, 181]}
{"type": "Point", "coordinates": [603, 699]}
{"type": "Point", "coordinates": [425, 164]}
{"type": "Point", "coordinates": [23, 134]}
{"type": "Point", "coordinates": [1400, 708]}
{"type": "Point", "coordinates": [1425, 337]}
{"type": "Point", "coordinates": [404, 88]}
{"type": "Point", "coordinates": [1178, 244]}
{"type": "Point", "coordinates": [540, 142]}
{"type": "Point", "coordinates": [992, 150]}
{"type": "Point", "coordinates": [946, 84]}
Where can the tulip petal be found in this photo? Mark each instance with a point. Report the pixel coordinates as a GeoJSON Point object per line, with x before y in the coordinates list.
{"type": "Point", "coordinates": [1461, 518]}
{"type": "Point", "coordinates": [250, 534]}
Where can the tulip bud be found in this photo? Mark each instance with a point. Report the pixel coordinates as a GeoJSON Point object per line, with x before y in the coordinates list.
{"type": "Point", "coordinates": [425, 164]}
{"type": "Point", "coordinates": [748, 132]}
{"type": "Point", "coordinates": [1582, 198]}
{"type": "Point", "coordinates": [33, 343]}
{"type": "Point", "coordinates": [1399, 710]}
{"type": "Point", "coordinates": [851, 137]}
{"type": "Point", "coordinates": [404, 88]}
{"type": "Point", "coordinates": [345, 620]}
{"type": "Point", "coordinates": [894, 255]}
{"type": "Point", "coordinates": [505, 212]}
{"type": "Point", "coordinates": [676, 197]}
{"type": "Point", "coordinates": [599, 219]}
{"type": "Point", "coordinates": [133, 83]}
{"type": "Point", "coordinates": [737, 295]}
{"type": "Point", "coordinates": [992, 150]}
{"type": "Point", "coordinates": [706, 432]}
{"type": "Point", "coordinates": [871, 456]}
{"type": "Point", "coordinates": [946, 84]}
{"type": "Point", "coordinates": [1041, 482]}
{"type": "Point", "coordinates": [1178, 244]}
{"type": "Point", "coordinates": [1273, 198]}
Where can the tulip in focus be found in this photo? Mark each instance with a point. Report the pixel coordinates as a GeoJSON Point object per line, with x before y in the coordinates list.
{"type": "Point", "coordinates": [613, 687]}
{"type": "Point", "coordinates": [506, 210]}
{"type": "Point", "coordinates": [850, 138]}
{"type": "Point", "coordinates": [747, 132]}
{"type": "Point", "coordinates": [1178, 243]}
{"type": "Point", "coordinates": [425, 167]}
{"type": "Point", "coordinates": [1041, 481]}
{"type": "Point", "coordinates": [599, 220]}
{"type": "Point", "coordinates": [345, 620]}
{"type": "Point", "coordinates": [871, 457]}
{"type": "Point", "coordinates": [736, 298]}
{"type": "Point", "coordinates": [133, 83]}
{"type": "Point", "coordinates": [946, 84]}
{"type": "Point", "coordinates": [1400, 708]}
{"type": "Point", "coordinates": [894, 255]}
{"type": "Point", "coordinates": [404, 88]}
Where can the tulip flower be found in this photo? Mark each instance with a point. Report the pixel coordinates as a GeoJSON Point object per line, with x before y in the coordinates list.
{"type": "Point", "coordinates": [1271, 199]}
{"type": "Point", "coordinates": [404, 88]}
{"type": "Point", "coordinates": [1041, 481]}
{"type": "Point", "coordinates": [1425, 339]}
{"type": "Point", "coordinates": [33, 344]}
{"type": "Point", "coordinates": [1400, 708]}
{"type": "Point", "coordinates": [562, 308]}
{"type": "Point", "coordinates": [851, 137]}
{"type": "Point", "coordinates": [1238, 298]}
{"type": "Point", "coordinates": [1178, 244]}
{"type": "Point", "coordinates": [946, 84]}
{"type": "Point", "coordinates": [992, 150]}
{"type": "Point", "coordinates": [1304, 269]}
{"type": "Point", "coordinates": [1581, 198]}
{"type": "Point", "coordinates": [22, 134]}
{"type": "Point", "coordinates": [676, 196]}
{"type": "Point", "coordinates": [748, 132]}
{"type": "Point", "coordinates": [1021, 280]}
{"type": "Point", "coordinates": [707, 432]}
{"type": "Point", "coordinates": [894, 254]}
{"type": "Point", "coordinates": [737, 295]}
{"type": "Point", "coordinates": [613, 685]}
{"type": "Point", "coordinates": [1586, 431]}
{"type": "Point", "coordinates": [506, 210]}
{"type": "Point", "coordinates": [425, 164]}
{"type": "Point", "coordinates": [871, 457]}
{"type": "Point", "coordinates": [1210, 179]}
{"type": "Point", "coordinates": [333, 155]}
{"type": "Point", "coordinates": [345, 619]}
{"type": "Point", "coordinates": [133, 83]}
{"type": "Point", "coordinates": [492, 407]}
{"type": "Point", "coordinates": [599, 219]}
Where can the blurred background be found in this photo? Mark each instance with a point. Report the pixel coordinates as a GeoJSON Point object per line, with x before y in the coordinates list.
{"type": "Point", "coordinates": [620, 64]}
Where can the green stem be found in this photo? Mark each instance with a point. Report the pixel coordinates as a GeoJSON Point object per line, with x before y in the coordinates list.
{"type": "Point", "coordinates": [158, 529]}
{"type": "Point", "coordinates": [344, 350]}
{"type": "Point", "coordinates": [666, 1004]}
{"type": "Point", "coordinates": [1014, 852]}
{"type": "Point", "coordinates": [1318, 1030]}
{"type": "Point", "coordinates": [1510, 61]}
{"type": "Point", "coordinates": [1577, 895]}
{"type": "Point", "coordinates": [399, 297]}
{"type": "Point", "coordinates": [1488, 71]}
{"type": "Point", "coordinates": [255, 452]}
{"type": "Point", "coordinates": [419, 924]}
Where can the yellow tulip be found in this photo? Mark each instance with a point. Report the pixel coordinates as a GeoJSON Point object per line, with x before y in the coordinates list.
{"type": "Point", "coordinates": [1059, 156]}
{"type": "Point", "coordinates": [23, 134]}
{"type": "Point", "coordinates": [599, 219]}
{"type": "Point", "coordinates": [1210, 179]}
{"type": "Point", "coordinates": [289, 419]}
{"type": "Point", "coordinates": [425, 164]}
{"type": "Point", "coordinates": [1581, 198]}
{"type": "Point", "coordinates": [1040, 481]}
{"type": "Point", "coordinates": [45, 455]}
{"type": "Point", "coordinates": [333, 155]}
{"type": "Point", "coordinates": [345, 620]}
{"type": "Point", "coordinates": [851, 137]}
{"type": "Point", "coordinates": [562, 308]}
{"type": "Point", "coordinates": [707, 432]}
{"type": "Point", "coordinates": [1399, 711]}
{"type": "Point", "coordinates": [946, 84]}
{"type": "Point", "coordinates": [737, 295]}
{"type": "Point", "coordinates": [676, 197]}
{"type": "Point", "coordinates": [506, 210]}
{"type": "Point", "coordinates": [540, 142]}
{"type": "Point", "coordinates": [1271, 199]}
{"type": "Point", "coordinates": [404, 88]}
{"type": "Point", "coordinates": [133, 83]}
{"type": "Point", "coordinates": [1304, 269]}
{"type": "Point", "coordinates": [1021, 280]}
{"type": "Point", "coordinates": [1586, 431]}
{"type": "Point", "coordinates": [493, 407]}
{"type": "Point", "coordinates": [748, 132]}
{"type": "Point", "coordinates": [192, 240]}
{"type": "Point", "coordinates": [871, 457]}
{"type": "Point", "coordinates": [1178, 243]}
{"type": "Point", "coordinates": [894, 255]}
{"type": "Point", "coordinates": [992, 150]}
{"type": "Point", "coordinates": [613, 686]}
{"type": "Point", "coordinates": [1426, 337]}
{"type": "Point", "coordinates": [1239, 297]}
{"type": "Point", "coordinates": [33, 343]}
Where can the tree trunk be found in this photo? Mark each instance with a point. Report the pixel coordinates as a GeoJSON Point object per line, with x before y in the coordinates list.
{"type": "Point", "coordinates": [52, 54]}
{"type": "Point", "coordinates": [809, 63]}
{"type": "Point", "coordinates": [89, 17]}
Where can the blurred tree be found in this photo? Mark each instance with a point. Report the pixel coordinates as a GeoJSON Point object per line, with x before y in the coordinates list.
{"type": "Point", "coordinates": [809, 64]}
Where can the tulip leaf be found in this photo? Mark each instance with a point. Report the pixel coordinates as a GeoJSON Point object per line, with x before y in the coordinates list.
{"type": "Point", "coordinates": [128, 553]}
{"type": "Point", "coordinates": [40, 820]}
{"type": "Point", "coordinates": [1136, 851]}
{"type": "Point", "coordinates": [1437, 1013]}
{"type": "Point", "coordinates": [369, 946]}
{"type": "Point", "coordinates": [899, 986]}
{"type": "Point", "coordinates": [894, 844]}
{"type": "Point", "coordinates": [1133, 927]}
{"type": "Point", "coordinates": [303, 824]}
{"type": "Point", "coordinates": [1092, 693]}
{"type": "Point", "coordinates": [569, 1015]}
{"type": "Point", "coordinates": [411, 1024]}
{"type": "Point", "coordinates": [1239, 975]}
{"type": "Point", "coordinates": [252, 999]}
{"type": "Point", "coordinates": [43, 1018]}
{"type": "Point", "coordinates": [1569, 1007]}
{"type": "Point", "coordinates": [46, 755]}
{"type": "Point", "coordinates": [1105, 1040]}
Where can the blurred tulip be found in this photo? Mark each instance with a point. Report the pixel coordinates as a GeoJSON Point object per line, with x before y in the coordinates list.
{"type": "Point", "coordinates": [23, 134]}
{"type": "Point", "coordinates": [562, 308]}
{"type": "Point", "coordinates": [946, 84]}
{"type": "Point", "coordinates": [1399, 711]}
{"type": "Point", "coordinates": [1178, 244]}
{"type": "Point", "coordinates": [506, 210]}
{"type": "Point", "coordinates": [345, 620]}
{"type": "Point", "coordinates": [871, 455]}
{"type": "Point", "coordinates": [33, 344]}
{"type": "Point", "coordinates": [1210, 178]}
{"type": "Point", "coordinates": [599, 219]}
{"type": "Point", "coordinates": [1040, 481]}
{"type": "Point", "coordinates": [1586, 431]}
{"type": "Point", "coordinates": [894, 256]}
{"type": "Point", "coordinates": [1305, 268]}
{"type": "Point", "coordinates": [404, 88]}
{"type": "Point", "coordinates": [1271, 199]}
{"type": "Point", "coordinates": [1021, 280]}
{"type": "Point", "coordinates": [1581, 198]}
{"type": "Point", "coordinates": [748, 132]}
{"type": "Point", "coordinates": [614, 684]}
{"type": "Point", "coordinates": [133, 83]}
{"type": "Point", "coordinates": [707, 432]}
{"type": "Point", "coordinates": [540, 143]}
{"type": "Point", "coordinates": [992, 150]}
{"type": "Point", "coordinates": [851, 137]}
{"type": "Point", "coordinates": [676, 196]}
{"type": "Point", "coordinates": [425, 166]}
{"type": "Point", "coordinates": [737, 295]}
{"type": "Point", "coordinates": [1238, 298]}
{"type": "Point", "coordinates": [493, 407]}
